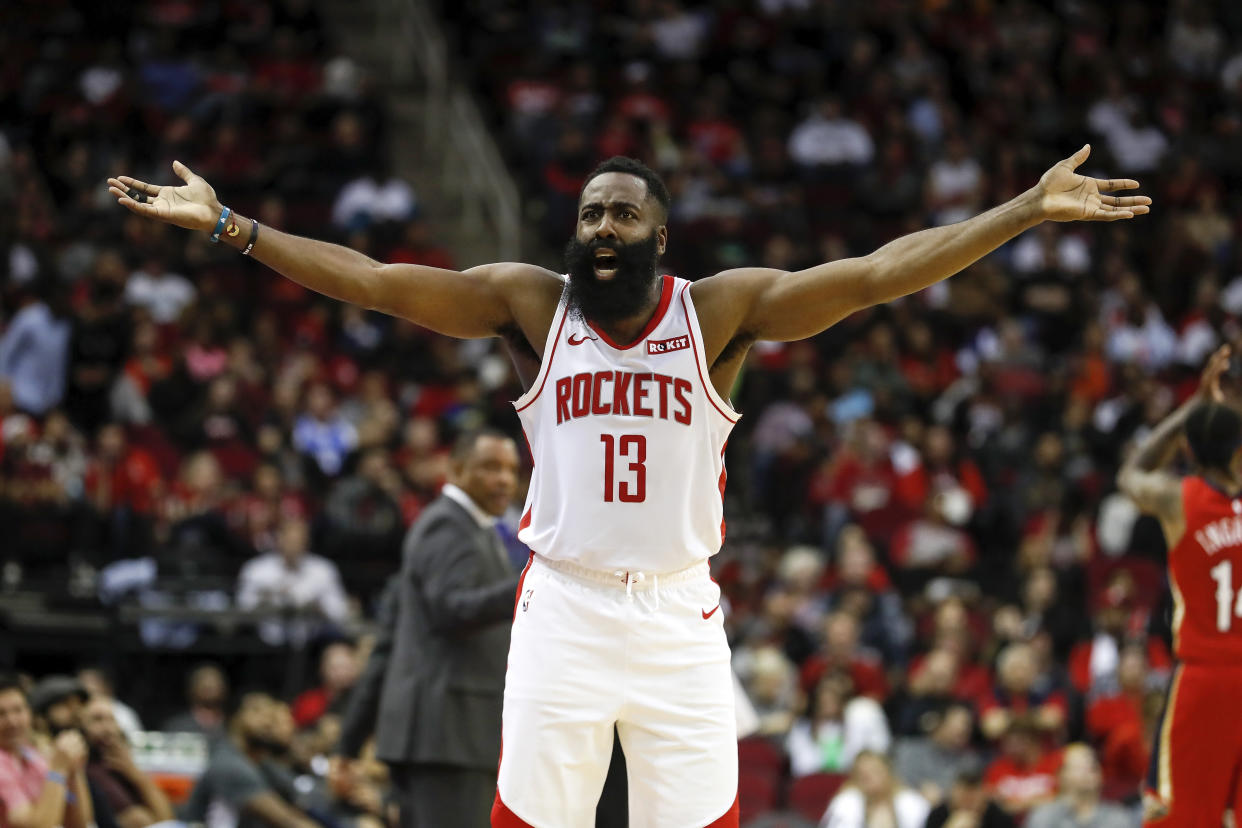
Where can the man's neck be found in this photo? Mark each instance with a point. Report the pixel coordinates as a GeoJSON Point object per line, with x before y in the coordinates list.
{"type": "Point", "coordinates": [1227, 483]}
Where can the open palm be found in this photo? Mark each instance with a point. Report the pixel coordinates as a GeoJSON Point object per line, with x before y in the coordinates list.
{"type": "Point", "coordinates": [1068, 196]}
{"type": "Point", "coordinates": [193, 205]}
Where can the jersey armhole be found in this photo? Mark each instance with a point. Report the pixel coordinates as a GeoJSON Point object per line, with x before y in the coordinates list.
{"type": "Point", "coordinates": [549, 352]}
{"type": "Point", "coordinates": [700, 359]}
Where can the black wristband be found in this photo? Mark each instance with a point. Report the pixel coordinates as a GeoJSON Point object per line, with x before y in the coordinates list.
{"type": "Point", "coordinates": [254, 236]}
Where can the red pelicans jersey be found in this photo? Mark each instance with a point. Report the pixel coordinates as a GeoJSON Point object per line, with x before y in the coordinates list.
{"type": "Point", "coordinates": [1205, 574]}
{"type": "Point", "coordinates": [628, 443]}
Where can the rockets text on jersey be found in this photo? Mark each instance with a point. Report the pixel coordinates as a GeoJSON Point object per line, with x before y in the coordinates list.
{"type": "Point", "coordinates": [628, 444]}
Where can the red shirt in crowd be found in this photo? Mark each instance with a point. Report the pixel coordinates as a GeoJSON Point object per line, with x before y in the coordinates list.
{"type": "Point", "coordinates": [866, 672]}
{"type": "Point", "coordinates": [135, 482]}
{"type": "Point", "coordinates": [1020, 787]}
{"type": "Point", "coordinates": [1115, 725]}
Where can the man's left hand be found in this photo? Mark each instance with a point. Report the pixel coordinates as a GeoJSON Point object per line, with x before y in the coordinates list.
{"type": "Point", "coordinates": [1067, 196]}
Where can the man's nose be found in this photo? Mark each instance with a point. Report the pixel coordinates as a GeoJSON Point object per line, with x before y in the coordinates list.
{"type": "Point", "coordinates": [605, 230]}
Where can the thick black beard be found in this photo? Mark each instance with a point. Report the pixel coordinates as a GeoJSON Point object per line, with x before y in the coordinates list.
{"type": "Point", "coordinates": [621, 296]}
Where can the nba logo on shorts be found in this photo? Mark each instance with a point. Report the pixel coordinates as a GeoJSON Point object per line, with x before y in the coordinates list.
{"type": "Point", "coordinates": [526, 599]}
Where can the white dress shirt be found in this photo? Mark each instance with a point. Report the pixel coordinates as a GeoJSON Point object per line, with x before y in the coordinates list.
{"type": "Point", "coordinates": [457, 494]}
{"type": "Point", "coordinates": [313, 584]}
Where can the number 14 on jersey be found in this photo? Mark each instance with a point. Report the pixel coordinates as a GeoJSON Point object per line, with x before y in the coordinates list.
{"type": "Point", "coordinates": [1226, 610]}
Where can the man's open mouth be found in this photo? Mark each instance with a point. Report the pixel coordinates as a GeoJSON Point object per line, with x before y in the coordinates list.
{"type": "Point", "coordinates": [605, 263]}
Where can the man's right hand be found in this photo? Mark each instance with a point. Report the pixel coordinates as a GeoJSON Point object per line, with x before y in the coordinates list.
{"type": "Point", "coordinates": [193, 205]}
{"type": "Point", "coordinates": [1209, 380]}
{"type": "Point", "coordinates": [68, 751]}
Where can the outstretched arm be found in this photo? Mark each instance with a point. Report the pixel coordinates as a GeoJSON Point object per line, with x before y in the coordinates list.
{"type": "Point", "coordinates": [1143, 477]}
{"type": "Point", "coordinates": [488, 300]}
{"type": "Point", "coordinates": [772, 304]}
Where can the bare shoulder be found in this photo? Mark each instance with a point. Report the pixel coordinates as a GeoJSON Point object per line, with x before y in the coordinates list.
{"type": "Point", "coordinates": [723, 302]}
{"type": "Point", "coordinates": [732, 285]}
{"type": "Point", "coordinates": [532, 294]}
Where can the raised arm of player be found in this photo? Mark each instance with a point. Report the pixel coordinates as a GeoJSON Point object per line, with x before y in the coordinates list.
{"type": "Point", "coordinates": [488, 300]}
{"type": "Point", "coordinates": [1143, 476]}
{"type": "Point", "coordinates": [760, 303]}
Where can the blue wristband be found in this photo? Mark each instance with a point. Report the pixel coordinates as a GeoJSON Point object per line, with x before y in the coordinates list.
{"type": "Point", "coordinates": [224, 217]}
{"type": "Point", "coordinates": [57, 777]}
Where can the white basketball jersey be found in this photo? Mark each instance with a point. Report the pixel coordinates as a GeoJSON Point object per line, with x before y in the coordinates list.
{"type": "Point", "coordinates": [628, 444]}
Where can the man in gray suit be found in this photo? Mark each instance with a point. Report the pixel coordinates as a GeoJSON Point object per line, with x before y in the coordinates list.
{"type": "Point", "coordinates": [442, 654]}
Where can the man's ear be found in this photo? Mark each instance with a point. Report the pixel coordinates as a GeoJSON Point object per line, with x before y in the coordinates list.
{"type": "Point", "coordinates": [661, 238]}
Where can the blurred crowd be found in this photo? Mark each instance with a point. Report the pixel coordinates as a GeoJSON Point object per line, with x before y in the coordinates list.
{"type": "Point", "coordinates": [927, 563]}
{"type": "Point", "coordinates": [237, 758]}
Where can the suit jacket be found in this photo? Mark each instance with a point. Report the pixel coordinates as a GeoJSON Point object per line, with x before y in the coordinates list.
{"type": "Point", "coordinates": [358, 720]}
{"type": "Point", "coordinates": [444, 683]}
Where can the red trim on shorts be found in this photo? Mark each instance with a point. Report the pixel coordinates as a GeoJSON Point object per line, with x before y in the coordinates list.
{"type": "Point", "coordinates": [666, 298]}
{"type": "Point", "coordinates": [555, 342]}
{"type": "Point", "coordinates": [517, 596]}
{"type": "Point", "coordinates": [729, 819]}
{"type": "Point", "coordinates": [502, 817]}
{"type": "Point", "coordinates": [724, 476]}
{"type": "Point", "coordinates": [708, 389]}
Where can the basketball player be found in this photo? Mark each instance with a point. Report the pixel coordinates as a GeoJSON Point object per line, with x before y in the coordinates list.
{"type": "Point", "coordinates": [617, 621]}
{"type": "Point", "coordinates": [1198, 752]}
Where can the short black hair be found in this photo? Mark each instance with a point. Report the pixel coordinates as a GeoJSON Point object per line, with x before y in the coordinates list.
{"type": "Point", "coordinates": [12, 681]}
{"type": "Point", "coordinates": [632, 166]}
{"type": "Point", "coordinates": [1214, 432]}
{"type": "Point", "coordinates": [465, 443]}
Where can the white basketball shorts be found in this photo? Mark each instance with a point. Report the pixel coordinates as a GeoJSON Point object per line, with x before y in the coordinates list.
{"type": "Point", "coordinates": [644, 652]}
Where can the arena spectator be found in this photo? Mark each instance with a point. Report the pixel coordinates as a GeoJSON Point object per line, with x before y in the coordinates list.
{"type": "Point", "coordinates": [295, 582]}
{"type": "Point", "coordinates": [34, 351]}
{"type": "Point", "coordinates": [338, 670]}
{"type": "Point", "coordinates": [363, 509]}
{"type": "Point", "coordinates": [875, 794]}
{"type": "Point", "coordinates": [829, 138]}
{"type": "Point", "coordinates": [1021, 691]}
{"type": "Point", "coordinates": [842, 650]}
{"type": "Point", "coordinates": [968, 804]}
{"type": "Point", "coordinates": [321, 434]}
{"type": "Point", "coordinates": [257, 514]}
{"type": "Point", "coordinates": [1118, 621]}
{"type": "Point", "coordinates": [861, 587]}
{"type": "Point", "coordinates": [132, 796]}
{"type": "Point", "coordinates": [98, 342]}
{"type": "Point", "coordinates": [207, 693]}
{"type": "Point", "coordinates": [1024, 773]}
{"type": "Point", "coordinates": [1078, 801]}
{"type": "Point", "coordinates": [836, 727]}
{"type": "Point", "coordinates": [233, 786]}
{"type": "Point", "coordinates": [124, 485]}
{"type": "Point", "coordinates": [931, 764]}
{"type": "Point", "coordinates": [955, 183]}
{"type": "Point", "coordinates": [1120, 725]}
{"type": "Point", "coordinates": [771, 685]}
{"type": "Point", "coordinates": [159, 291]}
{"type": "Point", "coordinates": [37, 792]}
{"type": "Point", "coordinates": [98, 686]}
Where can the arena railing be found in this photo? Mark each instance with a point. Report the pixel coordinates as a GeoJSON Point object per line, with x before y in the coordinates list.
{"type": "Point", "coordinates": [472, 184]}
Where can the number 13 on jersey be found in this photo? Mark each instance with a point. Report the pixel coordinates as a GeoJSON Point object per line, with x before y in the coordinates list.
{"type": "Point", "coordinates": [627, 447]}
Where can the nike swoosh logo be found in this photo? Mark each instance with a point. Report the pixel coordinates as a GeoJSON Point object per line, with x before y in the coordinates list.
{"type": "Point", "coordinates": [580, 340]}
{"type": "Point", "coordinates": [707, 615]}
